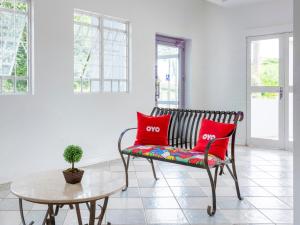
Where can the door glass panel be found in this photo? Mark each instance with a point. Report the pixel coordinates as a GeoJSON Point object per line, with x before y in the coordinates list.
{"type": "Point", "coordinates": [265, 115]}
{"type": "Point", "coordinates": [291, 61]}
{"type": "Point", "coordinates": [291, 117]}
{"type": "Point", "coordinates": [265, 62]}
{"type": "Point", "coordinates": [168, 76]}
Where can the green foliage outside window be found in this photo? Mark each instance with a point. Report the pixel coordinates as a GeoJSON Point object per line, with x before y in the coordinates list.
{"type": "Point", "coordinates": [269, 76]}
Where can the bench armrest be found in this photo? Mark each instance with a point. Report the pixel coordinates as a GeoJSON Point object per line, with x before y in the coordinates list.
{"type": "Point", "coordinates": [208, 148]}
{"type": "Point", "coordinates": [121, 137]}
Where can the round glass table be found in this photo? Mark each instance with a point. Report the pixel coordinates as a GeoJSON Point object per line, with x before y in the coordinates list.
{"type": "Point", "coordinates": [49, 188]}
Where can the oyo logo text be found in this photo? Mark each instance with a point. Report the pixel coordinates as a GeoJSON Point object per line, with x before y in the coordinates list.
{"type": "Point", "coordinates": [152, 129]}
{"type": "Point", "coordinates": [208, 137]}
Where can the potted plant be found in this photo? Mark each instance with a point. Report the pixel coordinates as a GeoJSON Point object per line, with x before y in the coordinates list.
{"type": "Point", "coordinates": [72, 154]}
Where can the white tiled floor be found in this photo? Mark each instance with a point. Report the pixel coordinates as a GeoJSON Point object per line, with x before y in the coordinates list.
{"type": "Point", "coordinates": [182, 194]}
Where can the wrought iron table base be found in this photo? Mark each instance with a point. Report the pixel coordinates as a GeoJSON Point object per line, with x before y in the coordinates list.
{"type": "Point", "coordinates": [50, 215]}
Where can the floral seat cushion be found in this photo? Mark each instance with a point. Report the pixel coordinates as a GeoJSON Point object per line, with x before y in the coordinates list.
{"type": "Point", "coordinates": [172, 154]}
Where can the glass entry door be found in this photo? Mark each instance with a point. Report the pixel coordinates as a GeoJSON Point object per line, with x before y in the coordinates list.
{"type": "Point", "coordinates": [269, 90]}
{"type": "Point", "coordinates": [169, 77]}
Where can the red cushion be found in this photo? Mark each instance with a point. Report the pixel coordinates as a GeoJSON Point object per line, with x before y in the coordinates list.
{"type": "Point", "coordinates": [210, 130]}
{"type": "Point", "coordinates": [152, 130]}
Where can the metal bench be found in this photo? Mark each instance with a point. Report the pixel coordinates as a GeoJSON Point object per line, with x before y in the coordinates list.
{"type": "Point", "coordinates": [183, 134]}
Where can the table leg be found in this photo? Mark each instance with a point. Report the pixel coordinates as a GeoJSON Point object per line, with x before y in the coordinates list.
{"type": "Point", "coordinates": [78, 214]}
{"type": "Point", "coordinates": [51, 214]}
{"type": "Point", "coordinates": [92, 212]}
{"type": "Point", "coordinates": [103, 209]}
{"type": "Point", "coordinates": [22, 212]}
{"type": "Point", "coordinates": [45, 218]}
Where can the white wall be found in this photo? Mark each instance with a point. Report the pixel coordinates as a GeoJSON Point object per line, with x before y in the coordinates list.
{"type": "Point", "coordinates": [224, 57]}
{"type": "Point", "coordinates": [296, 112]}
{"type": "Point", "coordinates": [35, 129]}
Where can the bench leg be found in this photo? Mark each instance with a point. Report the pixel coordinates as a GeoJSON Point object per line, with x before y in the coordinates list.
{"type": "Point", "coordinates": [216, 176]}
{"type": "Point", "coordinates": [211, 210]}
{"type": "Point", "coordinates": [234, 176]}
{"type": "Point", "coordinates": [153, 169]}
{"type": "Point", "coordinates": [126, 172]}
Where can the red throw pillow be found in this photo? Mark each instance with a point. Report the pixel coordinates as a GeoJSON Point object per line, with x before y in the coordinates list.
{"type": "Point", "coordinates": [210, 130]}
{"type": "Point", "coordinates": [152, 130]}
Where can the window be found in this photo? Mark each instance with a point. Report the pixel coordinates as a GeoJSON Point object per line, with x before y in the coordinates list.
{"type": "Point", "coordinates": [14, 47]}
{"type": "Point", "coordinates": [100, 54]}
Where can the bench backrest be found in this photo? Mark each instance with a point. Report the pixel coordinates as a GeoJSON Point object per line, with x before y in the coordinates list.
{"type": "Point", "coordinates": [185, 124]}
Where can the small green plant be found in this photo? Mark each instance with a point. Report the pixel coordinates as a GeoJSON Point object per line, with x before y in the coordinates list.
{"type": "Point", "coordinates": [73, 154]}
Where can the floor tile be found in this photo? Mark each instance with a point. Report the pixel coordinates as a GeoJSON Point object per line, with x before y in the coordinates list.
{"type": "Point", "coordinates": [149, 174]}
{"type": "Point", "coordinates": [156, 192]}
{"type": "Point", "coordinates": [10, 217]}
{"type": "Point", "coordinates": [129, 193]}
{"type": "Point", "coordinates": [125, 203]}
{"type": "Point", "coordinates": [279, 216]}
{"type": "Point", "coordinates": [267, 203]}
{"type": "Point", "coordinates": [194, 202]}
{"type": "Point", "coordinates": [198, 217]}
{"type": "Point", "coordinates": [13, 204]}
{"type": "Point", "coordinates": [162, 216]}
{"type": "Point", "coordinates": [188, 191]}
{"type": "Point", "coordinates": [242, 216]}
{"type": "Point", "coordinates": [287, 200]}
{"type": "Point", "coordinates": [233, 203]}
{"type": "Point", "coordinates": [38, 217]}
{"type": "Point", "coordinates": [129, 216]}
{"type": "Point", "coordinates": [160, 203]}
{"type": "Point", "coordinates": [254, 191]}
{"type": "Point", "coordinates": [189, 182]}
{"type": "Point", "coordinates": [146, 182]}
{"type": "Point", "coordinates": [176, 174]}
{"type": "Point", "coordinates": [280, 191]}
{"type": "Point", "coordinates": [71, 218]}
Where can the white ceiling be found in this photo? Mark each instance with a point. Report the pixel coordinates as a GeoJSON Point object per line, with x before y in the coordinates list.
{"type": "Point", "coordinates": [229, 3]}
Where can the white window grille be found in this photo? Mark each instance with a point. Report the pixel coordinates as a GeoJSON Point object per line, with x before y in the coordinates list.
{"type": "Point", "coordinates": [15, 75]}
{"type": "Point", "coordinates": [101, 59]}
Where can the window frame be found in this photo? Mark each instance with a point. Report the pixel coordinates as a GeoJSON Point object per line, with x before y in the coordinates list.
{"type": "Point", "coordinates": [29, 77]}
{"type": "Point", "coordinates": [101, 28]}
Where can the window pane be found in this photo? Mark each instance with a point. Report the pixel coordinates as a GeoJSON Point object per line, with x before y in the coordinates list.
{"type": "Point", "coordinates": [123, 86]}
{"type": "Point", "coordinates": [86, 85]}
{"type": "Point", "coordinates": [291, 60]}
{"type": "Point", "coordinates": [107, 86]}
{"type": "Point", "coordinates": [21, 5]}
{"type": "Point", "coordinates": [77, 86]}
{"type": "Point", "coordinates": [115, 86]}
{"type": "Point", "coordinates": [7, 4]}
{"type": "Point", "coordinates": [291, 117]}
{"type": "Point", "coordinates": [95, 85]}
{"type": "Point", "coordinates": [115, 55]}
{"type": "Point", "coordinates": [86, 19]}
{"type": "Point", "coordinates": [265, 110]}
{"type": "Point", "coordinates": [14, 42]}
{"type": "Point", "coordinates": [22, 86]}
{"type": "Point", "coordinates": [114, 24]}
{"type": "Point", "coordinates": [8, 85]}
{"type": "Point", "coordinates": [164, 50]}
{"type": "Point", "coordinates": [86, 52]}
{"type": "Point", "coordinates": [265, 62]}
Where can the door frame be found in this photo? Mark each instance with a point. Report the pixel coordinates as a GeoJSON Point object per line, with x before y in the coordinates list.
{"type": "Point", "coordinates": [173, 42]}
{"type": "Point", "coordinates": [283, 89]}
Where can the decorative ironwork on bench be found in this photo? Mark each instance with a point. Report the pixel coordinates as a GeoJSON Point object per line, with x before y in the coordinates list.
{"type": "Point", "coordinates": [182, 136]}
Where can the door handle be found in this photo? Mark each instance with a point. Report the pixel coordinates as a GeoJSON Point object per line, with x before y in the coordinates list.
{"type": "Point", "coordinates": [280, 93]}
